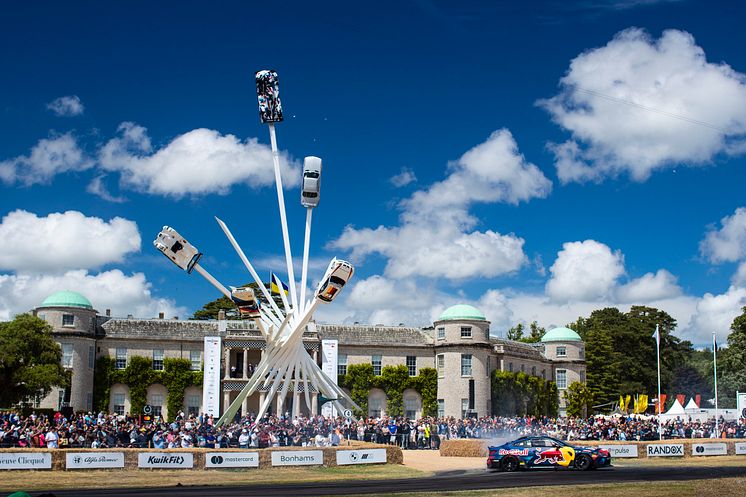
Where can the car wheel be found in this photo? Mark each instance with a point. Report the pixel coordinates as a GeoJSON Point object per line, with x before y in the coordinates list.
{"type": "Point", "coordinates": [584, 462]}
{"type": "Point", "coordinates": [509, 463]}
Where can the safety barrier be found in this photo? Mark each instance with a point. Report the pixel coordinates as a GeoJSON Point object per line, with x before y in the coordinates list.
{"type": "Point", "coordinates": [208, 459]}
{"type": "Point", "coordinates": [697, 447]}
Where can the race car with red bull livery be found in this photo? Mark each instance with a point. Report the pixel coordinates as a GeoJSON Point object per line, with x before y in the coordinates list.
{"type": "Point", "coordinates": [545, 452]}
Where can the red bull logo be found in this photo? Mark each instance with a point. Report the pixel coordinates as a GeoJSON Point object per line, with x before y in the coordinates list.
{"type": "Point", "coordinates": [513, 452]}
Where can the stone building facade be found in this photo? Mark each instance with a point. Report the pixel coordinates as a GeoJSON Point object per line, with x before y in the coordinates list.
{"type": "Point", "coordinates": [458, 345]}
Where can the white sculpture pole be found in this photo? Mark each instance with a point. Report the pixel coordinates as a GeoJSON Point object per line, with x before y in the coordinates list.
{"type": "Point", "coordinates": [203, 272]}
{"type": "Point", "coordinates": [306, 244]}
{"type": "Point", "coordinates": [283, 217]}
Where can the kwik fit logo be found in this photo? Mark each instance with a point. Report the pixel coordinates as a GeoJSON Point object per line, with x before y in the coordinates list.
{"type": "Point", "coordinates": [166, 460]}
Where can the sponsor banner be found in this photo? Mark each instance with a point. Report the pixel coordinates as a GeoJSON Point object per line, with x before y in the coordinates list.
{"type": "Point", "coordinates": [369, 456]}
{"type": "Point", "coordinates": [94, 460]}
{"type": "Point", "coordinates": [621, 450]}
{"type": "Point", "coordinates": [25, 460]}
{"type": "Point", "coordinates": [297, 457]}
{"type": "Point", "coordinates": [329, 360]}
{"type": "Point", "coordinates": [211, 377]}
{"type": "Point", "coordinates": [232, 459]}
{"type": "Point", "coordinates": [740, 448]}
{"type": "Point", "coordinates": [174, 460]}
{"type": "Point", "coordinates": [711, 449]}
{"type": "Point", "coordinates": [665, 450]}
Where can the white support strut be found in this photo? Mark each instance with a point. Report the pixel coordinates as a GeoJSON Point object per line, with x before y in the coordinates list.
{"type": "Point", "coordinates": [306, 244]}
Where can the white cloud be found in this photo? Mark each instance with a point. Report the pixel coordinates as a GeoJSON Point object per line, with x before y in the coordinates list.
{"type": "Point", "coordinates": [62, 241]}
{"type": "Point", "coordinates": [435, 238]}
{"type": "Point", "coordinates": [66, 106]}
{"type": "Point", "coordinates": [584, 271]}
{"type": "Point", "coordinates": [98, 188]}
{"type": "Point", "coordinates": [715, 313]}
{"type": "Point", "coordinates": [638, 104]}
{"type": "Point", "coordinates": [108, 290]}
{"type": "Point", "coordinates": [649, 287]}
{"type": "Point", "coordinates": [50, 156]}
{"type": "Point", "coordinates": [198, 162]}
{"type": "Point", "coordinates": [729, 243]}
{"type": "Point", "coordinates": [405, 177]}
{"type": "Point", "coordinates": [739, 279]}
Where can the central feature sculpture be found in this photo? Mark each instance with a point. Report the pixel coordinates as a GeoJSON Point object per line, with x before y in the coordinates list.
{"type": "Point", "coordinates": [285, 363]}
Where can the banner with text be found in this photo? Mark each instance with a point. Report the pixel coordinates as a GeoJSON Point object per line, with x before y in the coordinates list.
{"type": "Point", "coordinates": [232, 460]}
{"type": "Point", "coordinates": [297, 457]}
{"type": "Point", "coordinates": [369, 456]}
{"type": "Point", "coordinates": [621, 450]}
{"type": "Point", "coordinates": [173, 460]}
{"type": "Point", "coordinates": [329, 362]}
{"type": "Point", "coordinates": [740, 448]}
{"type": "Point", "coordinates": [94, 460]}
{"type": "Point", "coordinates": [25, 460]}
{"type": "Point", "coordinates": [710, 449]}
{"type": "Point", "coordinates": [211, 378]}
{"type": "Point", "coordinates": [665, 450]}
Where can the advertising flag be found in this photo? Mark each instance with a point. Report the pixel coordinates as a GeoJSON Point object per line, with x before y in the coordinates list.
{"type": "Point", "coordinates": [657, 336]}
{"type": "Point", "coordinates": [273, 288]}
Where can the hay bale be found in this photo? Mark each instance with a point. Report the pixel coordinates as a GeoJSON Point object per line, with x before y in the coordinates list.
{"type": "Point", "coordinates": [466, 447]}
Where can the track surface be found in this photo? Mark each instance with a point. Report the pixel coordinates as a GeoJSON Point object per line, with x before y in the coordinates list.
{"type": "Point", "coordinates": [456, 480]}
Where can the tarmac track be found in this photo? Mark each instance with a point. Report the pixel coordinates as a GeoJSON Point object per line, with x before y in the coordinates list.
{"type": "Point", "coordinates": [451, 481]}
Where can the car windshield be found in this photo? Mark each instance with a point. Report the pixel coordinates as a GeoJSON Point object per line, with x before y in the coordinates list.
{"type": "Point", "coordinates": [337, 280]}
{"type": "Point", "coordinates": [310, 194]}
{"type": "Point", "coordinates": [311, 174]}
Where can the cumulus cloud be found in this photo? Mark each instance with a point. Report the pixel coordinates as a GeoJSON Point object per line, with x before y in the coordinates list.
{"type": "Point", "coordinates": [405, 177]}
{"type": "Point", "coordinates": [49, 157]}
{"type": "Point", "coordinates": [61, 241]}
{"type": "Point", "coordinates": [68, 106]}
{"type": "Point", "coordinates": [435, 236]}
{"type": "Point", "coordinates": [198, 162]}
{"type": "Point", "coordinates": [739, 279]}
{"type": "Point", "coordinates": [637, 105]}
{"type": "Point", "coordinates": [728, 244]}
{"type": "Point", "coordinates": [584, 271]}
{"type": "Point", "coordinates": [649, 287]}
{"type": "Point", "coordinates": [715, 313]}
{"type": "Point", "coordinates": [98, 188]}
{"type": "Point", "coordinates": [113, 290]}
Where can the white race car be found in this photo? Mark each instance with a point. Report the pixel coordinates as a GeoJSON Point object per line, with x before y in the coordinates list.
{"type": "Point", "coordinates": [309, 195]}
{"type": "Point", "coordinates": [175, 247]}
{"type": "Point", "coordinates": [245, 300]}
{"type": "Point", "coordinates": [337, 275]}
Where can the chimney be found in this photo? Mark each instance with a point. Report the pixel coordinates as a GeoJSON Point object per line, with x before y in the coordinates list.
{"type": "Point", "coordinates": [175, 318]}
{"type": "Point", "coordinates": [108, 313]}
{"type": "Point", "coordinates": [129, 316]}
{"type": "Point", "coordinates": [160, 315]}
{"type": "Point", "coordinates": [221, 315]}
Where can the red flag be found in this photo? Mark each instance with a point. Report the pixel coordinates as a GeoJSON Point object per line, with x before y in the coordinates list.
{"type": "Point", "coordinates": [661, 403]}
{"type": "Point", "coordinates": [681, 398]}
{"type": "Point", "coordinates": [697, 399]}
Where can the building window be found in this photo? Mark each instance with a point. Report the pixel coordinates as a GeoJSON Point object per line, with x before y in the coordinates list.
{"type": "Point", "coordinates": [441, 408]}
{"type": "Point", "coordinates": [67, 355]}
{"type": "Point", "coordinates": [561, 351]}
{"type": "Point", "coordinates": [533, 370]}
{"type": "Point", "coordinates": [68, 320]}
{"type": "Point", "coordinates": [42, 316]}
{"type": "Point", "coordinates": [465, 364]}
{"type": "Point", "coordinates": [510, 367]}
{"type": "Point", "coordinates": [466, 332]}
{"type": "Point", "coordinates": [441, 333]}
{"type": "Point", "coordinates": [91, 357]}
{"type": "Point", "coordinates": [156, 402]}
{"type": "Point", "coordinates": [158, 359]}
{"type": "Point", "coordinates": [561, 379]}
{"type": "Point", "coordinates": [195, 360]}
{"type": "Point", "coordinates": [543, 374]}
{"type": "Point", "coordinates": [375, 407]}
{"type": "Point", "coordinates": [440, 365]}
{"type": "Point", "coordinates": [411, 406]}
{"type": "Point", "coordinates": [412, 365]}
{"type": "Point", "coordinates": [193, 405]}
{"type": "Point", "coordinates": [342, 365]}
{"type": "Point", "coordinates": [464, 407]}
{"type": "Point", "coordinates": [581, 353]}
{"type": "Point", "coordinates": [523, 368]}
{"type": "Point", "coordinates": [119, 403]}
{"type": "Point", "coordinates": [582, 377]}
{"type": "Point", "coordinates": [376, 361]}
{"type": "Point", "coordinates": [121, 361]}
{"type": "Point", "coordinates": [89, 401]}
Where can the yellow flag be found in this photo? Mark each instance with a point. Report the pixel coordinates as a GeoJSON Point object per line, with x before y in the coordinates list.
{"type": "Point", "coordinates": [621, 403]}
{"type": "Point", "coordinates": [626, 402]}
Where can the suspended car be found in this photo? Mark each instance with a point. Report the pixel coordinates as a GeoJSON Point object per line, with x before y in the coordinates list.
{"type": "Point", "coordinates": [336, 277]}
{"type": "Point", "coordinates": [309, 195]}
{"type": "Point", "coordinates": [245, 300]}
{"type": "Point", "coordinates": [177, 249]}
{"type": "Point", "coordinates": [268, 94]}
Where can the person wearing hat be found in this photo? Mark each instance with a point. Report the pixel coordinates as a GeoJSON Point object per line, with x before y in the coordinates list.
{"type": "Point", "coordinates": [243, 439]}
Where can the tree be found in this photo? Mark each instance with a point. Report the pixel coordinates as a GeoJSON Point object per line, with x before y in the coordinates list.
{"type": "Point", "coordinates": [602, 375]}
{"type": "Point", "coordinates": [515, 333]}
{"type": "Point", "coordinates": [537, 332]}
{"type": "Point", "coordinates": [579, 399]}
{"type": "Point", "coordinates": [30, 360]}
{"type": "Point", "coordinates": [210, 310]}
{"type": "Point", "coordinates": [732, 361]}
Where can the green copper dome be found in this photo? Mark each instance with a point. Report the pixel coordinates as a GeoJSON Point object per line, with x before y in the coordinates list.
{"type": "Point", "coordinates": [67, 298]}
{"type": "Point", "coordinates": [462, 311]}
{"type": "Point", "coordinates": [561, 335]}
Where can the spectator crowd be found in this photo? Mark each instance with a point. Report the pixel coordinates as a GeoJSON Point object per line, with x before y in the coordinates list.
{"type": "Point", "coordinates": [111, 430]}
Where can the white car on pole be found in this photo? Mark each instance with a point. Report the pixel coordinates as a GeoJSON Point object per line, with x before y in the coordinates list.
{"type": "Point", "coordinates": [177, 249]}
{"type": "Point", "coordinates": [309, 195]}
{"type": "Point", "coordinates": [337, 275]}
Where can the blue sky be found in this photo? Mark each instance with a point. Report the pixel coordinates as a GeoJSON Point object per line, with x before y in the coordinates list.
{"type": "Point", "coordinates": [538, 160]}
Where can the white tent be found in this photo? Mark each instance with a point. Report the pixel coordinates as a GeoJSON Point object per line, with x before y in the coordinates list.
{"type": "Point", "coordinates": [691, 405]}
{"type": "Point", "coordinates": [676, 409]}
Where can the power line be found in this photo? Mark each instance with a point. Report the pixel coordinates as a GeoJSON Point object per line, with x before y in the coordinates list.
{"type": "Point", "coordinates": [652, 109]}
